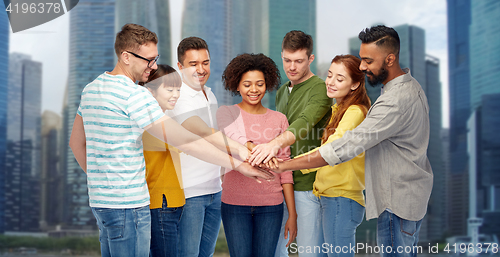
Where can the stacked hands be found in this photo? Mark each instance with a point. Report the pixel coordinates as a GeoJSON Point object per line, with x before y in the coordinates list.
{"type": "Point", "coordinates": [262, 157]}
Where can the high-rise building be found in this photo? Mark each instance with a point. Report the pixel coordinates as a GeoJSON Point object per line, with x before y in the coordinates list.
{"type": "Point", "coordinates": [459, 20]}
{"type": "Point", "coordinates": [484, 49]}
{"type": "Point", "coordinates": [445, 143]}
{"type": "Point", "coordinates": [154, 15]}
{"type": "Point", "coordinates": [436, 214]}
{"type": "Point", "coordinates": [488, 161]}
{"type": "Point", "coordinates": [22, 158]}
{"type": "Point", "coordinates": [4, 68]}
{"type": "Point", "coordinates": [91, 47]}
{"type": "Point", "coordinates": [51, 178]}
{"type": "Point", "coordinates": [238, 27]}
{"type": "Point", "coordinates": [425, 69]}
{"type": "Point", "coordinates": [63, 154]}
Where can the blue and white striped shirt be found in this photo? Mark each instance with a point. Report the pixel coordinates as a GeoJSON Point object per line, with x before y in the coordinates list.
{"type": "Point", "coordinates": [115, 111]}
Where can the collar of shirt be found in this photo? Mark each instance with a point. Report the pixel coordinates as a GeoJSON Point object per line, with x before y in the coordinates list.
{"type": "Point", "coordinates": [397, 80]}
{"type": "Point", "coordinates": [185, 89]}
{"type": "Point", "coordinates": [298, 85]}
{"type": "Point", "coordinates": [334, 108]}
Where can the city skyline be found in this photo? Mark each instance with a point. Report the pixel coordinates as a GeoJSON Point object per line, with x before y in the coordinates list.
{"type": "Point", "coordinates": [331, 39]}
{"type": "Point", "coordinates": [23, 153]}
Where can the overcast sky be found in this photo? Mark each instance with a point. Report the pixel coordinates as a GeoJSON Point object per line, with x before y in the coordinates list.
{"type": "Point", "coordinates": [336, 21]}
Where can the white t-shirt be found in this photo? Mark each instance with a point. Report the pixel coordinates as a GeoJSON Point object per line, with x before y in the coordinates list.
{"type": "Point", "coordinates": [115, 111]}
{"type": "Point", "coordinates": [198, 177]}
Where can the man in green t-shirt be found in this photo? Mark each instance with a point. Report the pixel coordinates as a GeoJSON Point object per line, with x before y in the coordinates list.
{"type": "Point", "coordinates": [304, 101]}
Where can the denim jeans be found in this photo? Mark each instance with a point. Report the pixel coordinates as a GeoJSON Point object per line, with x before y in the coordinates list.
{"type": "Point", "coordinates": [200, 224]}
{"type": "Point", "coordinates": [309, 225]}
{"type": "Point", "coordinates": [340, 216]}
{"type": "Point", "coordinates": [252, 231]}
{"type": "Point", "coordinates": [165, 230]}
{"type": "Point", "coordinates": [281, 249]}
{"type": "Point", "coordinates": [124, 232]}
{"type": "Point", "coordinates": [397, 234]}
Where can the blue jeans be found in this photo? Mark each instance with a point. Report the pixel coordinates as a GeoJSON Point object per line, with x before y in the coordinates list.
{"type": "Point", "coordinates": [309, 225]}
{"type": "Point", "coordinates": [200, 224]}
{"type": "Point", "coordinates": [397, 234]}
{"type": "Point", "coordinates": [340, 216]}
{"type": "Point", "coordinates": [124, 232]}
{"type": "Point", "coordinates": [252, 231]}
{"type": "Point", "coordinates": [165, 230]}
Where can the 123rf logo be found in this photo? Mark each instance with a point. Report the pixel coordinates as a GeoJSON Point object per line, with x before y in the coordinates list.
{"type": "Point", "coordinates": [26, 14]}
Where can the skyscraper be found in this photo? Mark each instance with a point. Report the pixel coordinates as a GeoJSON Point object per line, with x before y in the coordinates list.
{"type": "Point", "coordinates": [4, 62]}
{"type": "Point", "coordinates": [51, 177]}
{"type": "Point", "coordinates": [488, 160]}
{"type": "Point", "coordinates": [459, 20]}
{"type": "Point", "coordinates": [484, 50]}
{"type": "Point", "coordinates": [22, 159]}
{"type": "Point", "coordinates": [436, 214]}
{"type": "Point", "coordinates": [91, 47]}
{"type": "Point", "coordinates": [238, 27]}
{"type": "Point", "coordinates": [154, 15]}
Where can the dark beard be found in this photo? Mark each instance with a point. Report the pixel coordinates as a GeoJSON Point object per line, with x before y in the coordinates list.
{"type": "Point", "coordinates": [375, 80]}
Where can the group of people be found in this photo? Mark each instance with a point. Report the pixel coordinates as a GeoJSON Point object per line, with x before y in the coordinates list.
{"type": "Point", "coordinates": [165, 164]}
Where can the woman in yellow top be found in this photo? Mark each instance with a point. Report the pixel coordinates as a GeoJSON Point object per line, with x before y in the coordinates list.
{"type": "Point", "coordinates": [163, 173]}
{"type": "Point", "coordinates": [340, 187]}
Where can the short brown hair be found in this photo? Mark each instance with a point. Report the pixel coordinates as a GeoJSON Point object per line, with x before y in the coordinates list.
{"type": "Point", "coordinates": [132, 36]}
{"type": "Point", "coordinates": [296, 40]}
{"type": "Point", "coordinates": [190, 43]}
{"type": "Point", "coordinates": [244, 63]}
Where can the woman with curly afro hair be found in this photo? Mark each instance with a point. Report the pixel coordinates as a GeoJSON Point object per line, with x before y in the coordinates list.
{"type": "Point", "coordinates": [252, 212]}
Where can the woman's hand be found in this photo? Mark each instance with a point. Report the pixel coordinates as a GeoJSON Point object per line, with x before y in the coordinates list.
{"type": "Point", "coordinates": [263, 153]}
{"type": "Point", "coordinates": [291, 228]}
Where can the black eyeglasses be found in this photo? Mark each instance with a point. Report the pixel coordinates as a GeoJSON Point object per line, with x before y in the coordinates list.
{"type": "Point", "coordinates": [151, 62]}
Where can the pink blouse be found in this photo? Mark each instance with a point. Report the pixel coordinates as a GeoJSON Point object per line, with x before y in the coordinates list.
{"type": "Point", "coordinates": [242, 127]}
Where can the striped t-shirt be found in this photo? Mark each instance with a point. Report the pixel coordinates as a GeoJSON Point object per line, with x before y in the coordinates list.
{"type": "Point", "coordinates": [114, 112]}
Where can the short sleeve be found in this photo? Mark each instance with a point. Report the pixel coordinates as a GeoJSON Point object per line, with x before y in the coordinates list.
{"type": "Point", "coordinates": [143, 108]}
{"type": "Point", "coordinates": [79, 111]}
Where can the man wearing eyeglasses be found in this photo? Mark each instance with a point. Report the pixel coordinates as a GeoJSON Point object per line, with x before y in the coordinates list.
{"type": "Point", "coordinates": [106, 140]}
